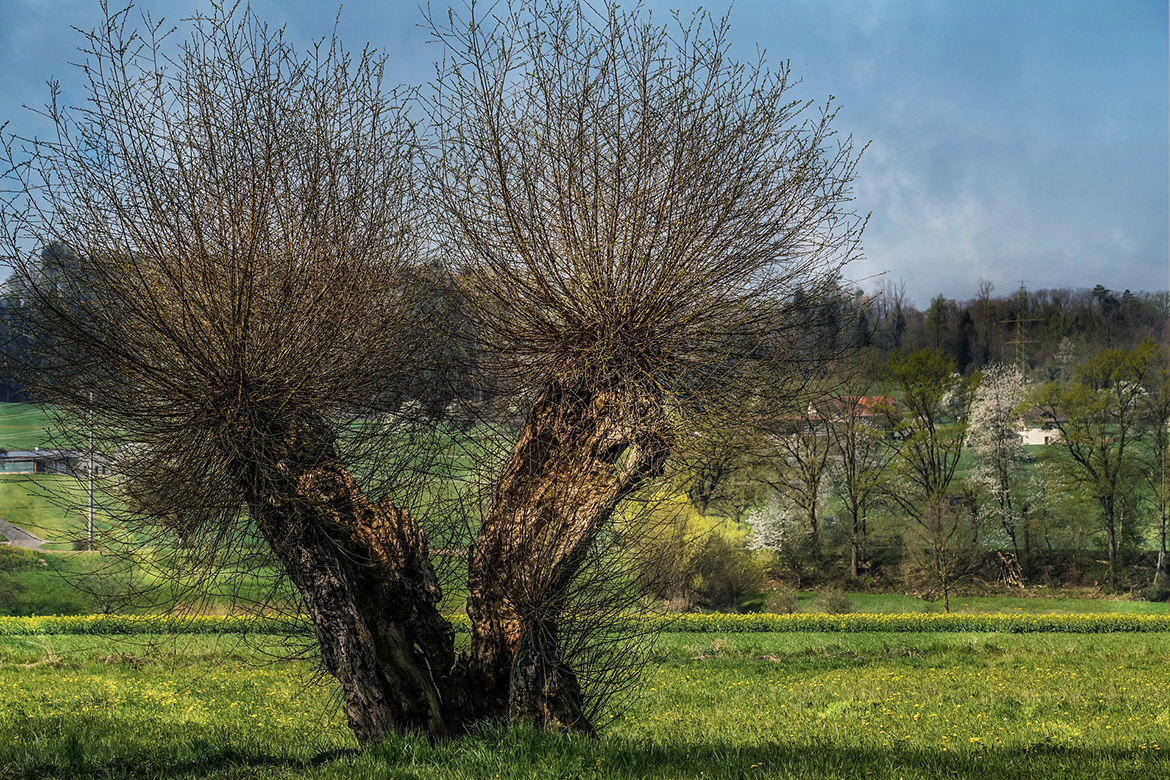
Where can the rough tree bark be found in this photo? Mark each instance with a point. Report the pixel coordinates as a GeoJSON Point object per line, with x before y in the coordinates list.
{"type": "Point", "coordinates": [579, 453]}
{"type": "Point", "coordinates": [363, 572]}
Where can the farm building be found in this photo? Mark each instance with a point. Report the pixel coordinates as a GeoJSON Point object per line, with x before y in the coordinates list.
{"type": "Point", "coordinates": [39, 461]}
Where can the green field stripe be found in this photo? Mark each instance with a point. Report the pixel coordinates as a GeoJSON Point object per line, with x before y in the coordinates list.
{"type": "Point", "coordinates": [704, 624]}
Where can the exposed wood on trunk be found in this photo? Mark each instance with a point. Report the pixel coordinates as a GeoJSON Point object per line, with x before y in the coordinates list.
{"type": "Point", "coordinates": [368, 586]}
{"type": "Point", "coordinates": [579, 453]}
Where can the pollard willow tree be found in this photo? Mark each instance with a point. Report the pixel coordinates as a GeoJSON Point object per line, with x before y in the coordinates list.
{"type": "Point", "coordinates": [640, 229]}
{"type": "Point", "coordinates": [649, 231]}
{"type": "Point", "coordinates": [234, 312]}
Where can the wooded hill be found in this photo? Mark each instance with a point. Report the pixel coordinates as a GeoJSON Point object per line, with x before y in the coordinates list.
{"type": "Point", "coordinates": [1043, 331]}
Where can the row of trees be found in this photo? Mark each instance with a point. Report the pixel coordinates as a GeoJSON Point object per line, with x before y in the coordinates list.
{"type": "Point", "coordinates": [937, 459]}
{"type": "Point", "coordinates": [266, 252]}
{"type": "Point", "coordinates": [1045, 332]}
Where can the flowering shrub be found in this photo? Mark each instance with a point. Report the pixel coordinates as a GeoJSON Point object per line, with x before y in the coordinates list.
{"type": "Point", "coordinates": [706, 623]}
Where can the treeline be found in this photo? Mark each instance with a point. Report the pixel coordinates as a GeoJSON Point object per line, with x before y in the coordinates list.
{"type": "Point", "coordinates": [1043, 331]}
{"type": "Point", "coordinates": [456, 377]}
{"type": "Point", "coordinates": [906, 474]}
{"type": "Point", "coordinates": [428, 292]}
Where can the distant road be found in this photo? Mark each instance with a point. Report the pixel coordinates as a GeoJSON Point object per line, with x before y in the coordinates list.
{"type": "Point", "coordinates": [18, 537]}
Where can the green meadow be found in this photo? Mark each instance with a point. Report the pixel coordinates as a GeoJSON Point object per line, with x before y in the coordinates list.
{"type": "Point", "coordinates": [810, 705]}
{"type": "Point", "coordinates": [52, 506]}
{"type": "Point", "coordinates": [23, 427]}
{"type": "Point", "coordinates": [1031, 601]}
{"type": "Point", "coordinates": [48, 505]}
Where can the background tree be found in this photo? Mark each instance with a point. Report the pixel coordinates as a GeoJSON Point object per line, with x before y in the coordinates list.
{"type": "Point", "coordinates": [713, 475]}
{"type": "Point", "coordinates": [942, 549]}
{"type": "Point", "coordinates": [891, 322]}
{"type": "Point", "coordinates": [857, 465]}
{"type": "Point", "coordinates": [982, 312]}
{"type": "Point", "coordinates": [648, 230]}
{"type": "Point", "coordinates": [998, 450]}
{"type": "Point", "coordinates": [797, 458]}
{"type": "Point", "coordinates": [930, 420]}
{"type": "Point", "coordinates": [1099, 415]}
{"type": "Point", "coordinates": [695, 560]}
{"type": "Point", "coordinates": [778, 527]}
{"type": "Point", "coordinates": [1156, 467]}
{"type": "Point", "coordinates": [937, 318]}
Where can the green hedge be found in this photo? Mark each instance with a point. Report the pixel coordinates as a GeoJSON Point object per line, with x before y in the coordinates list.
{"type": "Point", "coordinates": [710, 623]}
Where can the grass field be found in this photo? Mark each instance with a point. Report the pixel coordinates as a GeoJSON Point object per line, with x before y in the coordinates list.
{"type": "Point", "coordinates": [1039, 601]}
{"type": "Point", "coordinates": [45, 588]}
{"type": "Point", "coordinates": [48, 505]}
{"type": "Point", "coordinates": [34, 583]}
{"type": "Point", "coordinates": [738, 706]}
{"type": "Point", "coordinates": [22, 427]}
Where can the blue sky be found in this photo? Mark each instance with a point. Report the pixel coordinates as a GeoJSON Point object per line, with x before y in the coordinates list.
{"type": "Point", "coordinates": [1009, 141]}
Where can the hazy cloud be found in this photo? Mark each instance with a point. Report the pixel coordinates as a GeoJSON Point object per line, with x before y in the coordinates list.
{"type": "Point", "coordinates": [1009, 140]}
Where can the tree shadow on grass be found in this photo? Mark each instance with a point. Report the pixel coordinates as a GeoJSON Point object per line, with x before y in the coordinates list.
{"type": "Point", "coordinates": [527, 754]}
{"type": "Point", "coordinates": [76, 746]}
{"type": "Point", "coordinates": [550, 756]}
{"type": "Point", "coordinates": [215, 762]}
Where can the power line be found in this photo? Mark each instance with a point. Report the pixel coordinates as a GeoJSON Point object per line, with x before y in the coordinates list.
{"type": "Point", "coordinates": [1051, 286]}
{"type": "Point", "coordinates": [1019, 340]}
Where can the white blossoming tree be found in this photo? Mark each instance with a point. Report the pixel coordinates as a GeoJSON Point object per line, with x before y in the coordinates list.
{"type": "Point", "coordinates": [998, 449]}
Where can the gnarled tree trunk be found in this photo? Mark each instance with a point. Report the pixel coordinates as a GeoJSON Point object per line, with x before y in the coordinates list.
{"type": "Point", "coordinates": [579, 453]}
{"type": "Point", "coordinates": [363, 572]}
